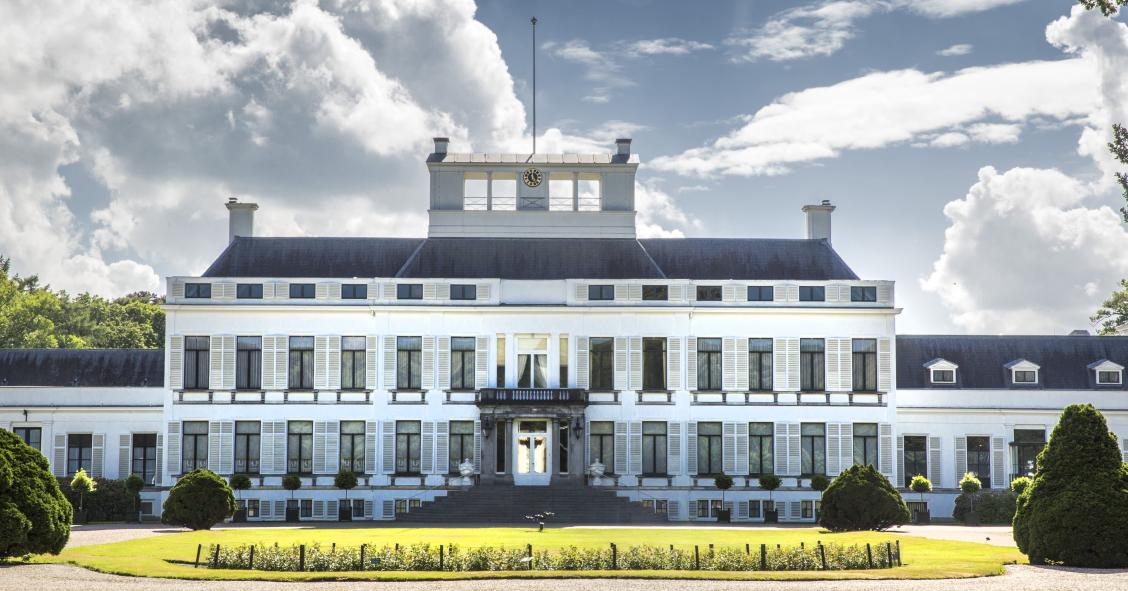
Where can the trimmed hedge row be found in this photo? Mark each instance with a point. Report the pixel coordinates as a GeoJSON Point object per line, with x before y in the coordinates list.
{"type": "Point", "coordinates": [425, 557]}
{"type": "Point", "coordinates": [109, 502]}
{"type": "Point", "coordinates": [985, 507]}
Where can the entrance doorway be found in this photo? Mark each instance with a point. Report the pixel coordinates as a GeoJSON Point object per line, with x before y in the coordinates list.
{"type": "Point", "coordinates": [532, 452]}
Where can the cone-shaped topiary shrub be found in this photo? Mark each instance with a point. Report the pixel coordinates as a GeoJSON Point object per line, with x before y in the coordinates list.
{"type": "Point", "coordinates": [860, 499]}
{"type": "Point", "coordinates": [1075, 512]}
{"type": "Point", "coordinates": [199, 500]}
{"type": "Point", "coordinates": [35, 517]}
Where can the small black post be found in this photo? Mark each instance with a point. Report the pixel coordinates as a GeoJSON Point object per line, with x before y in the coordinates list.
{"type": "Point", "coordinates": [696, 557]}
{"type": "Point", "coordinates": [215, 559]}
{"type": "Point", "coordinates": [614, 557]}
{"type": "Point", "coordinates": [363, 547]}
{"type": "Point", "coordinates": [869, 555]}
{"type": "Point", "coordinates": [397, 548]}
{"type": "Point", "coordinates": [441, 557]}
{"type": "Point", "coordinates": [529, 553]}
{"type": "Point", "coordinates": [301, 557]}
{"type": "Point", "coordinates": [803, 555]}
{"type": "Point", "coordinates": [899, 563]}
{"type": "Point", "coordinates": [710, 550]}
{"type": "Point", "coordinates": [889, 554]}
{"type": "Point", "coordinates": [251, 560]}
{"type": "Point", "coordinates": [333, 550]}
{"type": "Point", "coordinates": [671, 547]}
{"type": "Point", "coordinates": [748, 549]}
{"type": "Point", "coordinates": [822, 555]}
{"type": "Point", "coordinates": [199, 547]}
{"type": "Point", "coordinates": [763, 557]}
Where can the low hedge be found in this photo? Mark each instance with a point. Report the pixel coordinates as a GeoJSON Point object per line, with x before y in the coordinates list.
{"type": "Point", "coordinates": [985, 507]}
{"type": "Point", "coordinates": [425, 557]}
{"type": "Point", "coordinates": [109, 502]}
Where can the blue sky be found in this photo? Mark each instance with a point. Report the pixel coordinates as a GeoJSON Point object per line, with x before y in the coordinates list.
{"type": "Point", "coordinates": [959, 139]}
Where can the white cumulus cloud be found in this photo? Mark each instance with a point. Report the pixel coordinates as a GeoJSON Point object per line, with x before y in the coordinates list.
{"type": "Point", "coordinates": [954, 50]}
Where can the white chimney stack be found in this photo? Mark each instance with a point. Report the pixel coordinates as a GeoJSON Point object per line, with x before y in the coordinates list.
{"type": "Point", "coordinates": [241, 219]}
{"type": "Point", "coordinates": [818, 220]}
{"type": "Point", "coordinates": [623, 146]}
{"type": "Point", "coordinates": [441, 144]}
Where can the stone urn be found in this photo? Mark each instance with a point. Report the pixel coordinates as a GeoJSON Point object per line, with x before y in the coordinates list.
{"type": "Point", "coordinates": [466, 471]}
{"type": "Point", "coordinates": [597, 470]}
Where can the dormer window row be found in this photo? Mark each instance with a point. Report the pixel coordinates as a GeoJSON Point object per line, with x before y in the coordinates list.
{"type": "Point", "coordinates": [1023, 372]}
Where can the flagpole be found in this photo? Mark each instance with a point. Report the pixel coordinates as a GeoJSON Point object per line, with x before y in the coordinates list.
{"type": "Point", "coordinates": [534, 22]}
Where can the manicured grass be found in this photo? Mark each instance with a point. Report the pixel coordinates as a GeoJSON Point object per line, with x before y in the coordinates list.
{"type": "Point", "coordinates": [159, 556]}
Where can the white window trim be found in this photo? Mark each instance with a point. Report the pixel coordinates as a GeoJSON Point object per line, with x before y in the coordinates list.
{"type": "Point", "coordinates": [1104, 365]}
{"type": "Point", "coordinates": [940, 364]}
{"type": "Point", "coordinates": [932, 375]}
{"type": "Point", "coordinates": [1024, 365]}
{"type": "Point", "coordinates": [1119, 377]}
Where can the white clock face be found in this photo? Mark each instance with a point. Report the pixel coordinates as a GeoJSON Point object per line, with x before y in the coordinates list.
{"type": "Point", "coordinates": [533, 177]}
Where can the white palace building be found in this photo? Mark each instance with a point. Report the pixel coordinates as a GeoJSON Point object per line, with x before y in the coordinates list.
{"type": "Point", "coordinates": [532, 347]}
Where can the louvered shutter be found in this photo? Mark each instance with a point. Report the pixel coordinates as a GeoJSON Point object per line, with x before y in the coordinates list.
{"type": "Point", "coordinates": [332, 510]}
{"type": "Point", "coordinates": [620, 447]}
{"type": "Point", "coordinates": [839, 363]}
{"type": "Point", "coordinates": [728, 447]}
{"type": "Point", "coordinates": [581, 292]}
{"type": "Point", "coordinates": [319, 447]}
{"type": "Point", "coordinates": [742, 510]}
{"type": "Point", "coordinates": [673, 510]}
{"type": "Point", "coordinates": [172, 447]}
{"type": "Point", "coordinates": [268, 363]}
{"type": "Point", "coordinates": [998, 462]}
{"type": "Point", "coordinates": [318, 509]}
{"type": "Point", "coordinates": [634, 292]}
{"type": "Point", "coordinates": [885, 450]}
{"type": "Point", "coordinates": [176, 362]}
{"type": "Point", "coordinates": [177, 289]}
{"type": "Point", "coordinates": [389, 509]}
{"type": "Point", "coordinates": [833, 449]}
{"type": "Point", "coordinates": [444, 363]}
{"type": "Point", "coordinates": [478, 446]}
{"type": "Point", "coordinates": [691, 448]}
{"type": "Point", "coordinates": [636, 447]}
{"type": "Point", "coordinates": [621, 363]}
{"type": "Point", "coordinates": [900, 461]}
{"type": "Point", "coordinates": [794, 463]}
{"type": "Point", "coordinates": [961, 458]}
{"type": "Point", "coordinates": [691, 364]}
{"type": "Point", "coordinates": [620, 292]}
{"type": "Point", "coordinates": [389, 362]}
{"type": "Point", "coordinates": [884, 365]}
{"type": "Point", "coordinates": [846, 457]}
{"type": "Point", "coordinates": [279, 508]}
{"type": "Point", "coordinates": [785, 357]}
{"type": "Point", "coordinates": [427, 453]}
{"type": "Point", "coordinates": [884, 293]}
{"type": "Point", "coordinates": [742, 364]}
{"type": "Point", "coordinates": [428, 363]}
{"type": "Point", "coordinates": [160, 467]}
{"type": "Point", "coordinates": [483, 292]}
{"type": "Point", "coordinates": [97, 455]}
{"type": "Point", "coordinates": [388, 291]}
{"type": "Point", "coordinates": [227, 447]}
{"type": "Point", "coordinates": [214, 449]}
{"type": "Point", "coordinates": [481, 362]}
{"type": "Point", "coordinates": [227, 346]}
{"type": "Point", "coordinates": [729, 293]}
{"type": "Point", "coordinates": [442, 291]}
{"type": "Point", "coordinates": [677, 293]}
{"type": "Point", "coordinates": [266, 447]}
{"type": "Point", "coordinates": [935, 456]}
{"type": "Point", "coordinates": [215, 367]}
{"type": "Point", "coordinates": [278, 447]}
{"type": "Point", "coordinates": [281, 362]}
{"type": "Point", "coordinates": [389, 447]}
{"type": "Point", "coordinates": [674, 448]}
{"type": "Point", "coordinates": [371, 354]}
{"type": "Point", "coordinates": [224, 290]}
{"type": "Point", "coordinates": [125, 454]}
{"type": "Point", "coordinates": [369, 509]}
{"type": "Point", "coordinates": [728, 364]}
{"type": "Point", "coordinates": [785, 292]}
{"type": "Point", "coordinates": [59, 467]}
{"type": "Point", "coordinates": [429, 291]}
{"type": "Point", "coordinates": [673, 363]}
{"type": "Point", "coordinates": [582, 362]}
{"type": "Point", "coordinates": [442, 447]}
{"type": "Point", "coordinates": [781, 450]}
{"type": "Point", "coordinates": [741, 448]}
{"type": "Point", "coordinates": [1124, 449]}
{"type": "Point", "coordinates": [371, 428]}
{"type": "Point", "coordinates": [635, 344]}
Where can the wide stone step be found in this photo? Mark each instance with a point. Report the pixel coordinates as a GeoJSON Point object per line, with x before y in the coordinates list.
{"type": "Point", "coordinates": [510, 504]}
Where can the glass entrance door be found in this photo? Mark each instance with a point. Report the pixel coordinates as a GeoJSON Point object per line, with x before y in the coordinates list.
{"type": "Point", "coordinates": [532, 452]}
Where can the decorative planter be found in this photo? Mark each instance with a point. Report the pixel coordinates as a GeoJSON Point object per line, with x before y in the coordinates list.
{"type": "Point", "coordinates": [293, 515]}
{"type": "Point", "coordinates": [920, 517]}
{"type": "Point", "coordinates": [724, 515]}
{"type": "Point", "coordinates": [240, 516]}
{"type": "Point", "coordinates": [771, 516]}
{"type": "Point", "coordinates": [344, 514]}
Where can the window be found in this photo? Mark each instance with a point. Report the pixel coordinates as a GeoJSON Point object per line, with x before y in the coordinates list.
{"type": "Point", "coordinates": [409, 291]}
{"type": "Point", "coordinates": [602, 444]}
{"type": "Point", "coordinates": [1025, 376]}
{"type": "Point", "coordinates": [761, 449]}
{"type": "Point", "coordinates": [979, 459]}
{"type": "Point", "coordinates": [197, 290]}
{"type": "Point", "coordinates": [144, 462]}
{"type": "Point", "coordinates": [654, 447]}
{"type": "Point", "coordinates": [409, 363]}
{"type": "Point", "coordinates": [812, 445]}
{"type": "Point", "coordinates": [32, 436]}
{"type": "Point", "coordinates": [601, 292]}
{"type": "Point", "coordinates": [194, 447]}
{"type": "Point", "coordinates": [760, 365]}
{"type": "Point", "coordinates": [865, 444]}
{"type": "Point", "coordinates": [560, 191]}
{"type": "Point", "coordinates": [301, 291]}
{"type": "Point", "coordinates": [307, 508]}
{"type": "Point", "coordinates": [500, 361]}
{"type": "Point", "coordinates": [353, 363]}
{"type": "Point", "coordinates": [943, 376]}
{"type": "Point", "coordinates": [352, 446]}
{"type": "Point", "coordinates": [196, 355]}
{"type": "Point", "coordinates": [707, 508]}
{"type": "Point", "coordinates": [408, 447]}
{"type": "Point", "coordinates": [761, 293]}
{"type": "Point", "coordinates": [532, 361]}
{"type": "Point", "coordinates": [563, 361]}
{"type": "Point", "coordinates": [654, 363]}
{"type": "Point", "coordinates": [461, 444]}
{"type": "Point", "coordinates": [301, 363]}
{"type": "Point", "coordinates": [475, 187]}
{"type": "Point", "coordinates": [863, 294]}
{"type": "Point", "coordinates": [709, 364]}
{"type": "Point", "coordinates": [1108, 377]}
{"type": "Point", "coordinates": [503, 185]}
{"type": "Point", "coordinates": [602, 355]}
{"type": "Point", "coordinates": [812, 293]}
{"type": "Point", "coordinates": [916, 457]}
{"type": "Point", "coordinates": [79, 450]}
{"type": "Point", "coordinates": [709, 449]}
{"type": "Point", "coordinates": [589, 195]}
{"type": "Point", "coordinates": [463, 292]}
{"type": "Point", "coordinates": [812, 368]}
{"type": "Point", "coordinates": [865, 365]}
{"type": "Point", "coordinates": [299, 447]}
{"type": "Point", "coordinates": [754, 509]}
{"type": "Point", "coordinates": [708, 293]}
{"type": "Point", "coordinates": [248, 291]}
{"type": "Point", "coordinates": [501, 447]}
{"type": "Point", "coordinates": [462, 363]}
{"type": "Point", "coordinates": [252, 507]}
{"type": "Point", "coordinates": [655, 293]}
{"type": "Point", "coordinates": [354, 291]}
{"type": "Point", "coordinates": [248, 444]}
{"type": "Point", "coordinates": [248, 363]}
{"type": "Point", "coordinates": [562, 443]}
{"type": "Point", "coordinates": [1028, 443]}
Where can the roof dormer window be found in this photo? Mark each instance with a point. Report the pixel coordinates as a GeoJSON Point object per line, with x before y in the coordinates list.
{"type": "Point", "coordinates": [1023, 372]}
{"type": "Point", "coordinates": [941, 371]}
{"type": "Point", "coordinates": [1107, 372]}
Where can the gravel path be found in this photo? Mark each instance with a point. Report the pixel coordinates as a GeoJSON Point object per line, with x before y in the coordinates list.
{"type": "Point", "coordinates": [1026, 578]}
{"type": "Point", "coordinates": [87, 535]}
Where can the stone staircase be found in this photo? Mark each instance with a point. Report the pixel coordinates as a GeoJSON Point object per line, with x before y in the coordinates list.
{"type": "Point", "coordinates": [509, 504]}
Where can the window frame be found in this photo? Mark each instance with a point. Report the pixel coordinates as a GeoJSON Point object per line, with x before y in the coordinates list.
{"type": "Point", "coordinates": [148, 459]}
{"type": "Point", "coordinates": [409, 357]}
{"type": "Point", "coordinates": [657, 293]}
{"type": "Point", "coordinates": [863, 293]}
{"type": "Point", "coordinates": [980, 454]}
{"type": "Point", "coordinates": [411, 444]}
{"type": "Point", "coordinates": [866, 443]}
{"type": "Point", "coordinates": [760, 291]}
{"type": "Point", "coordinates": [709, 293]}
{"type": "Point", "coordinates": [812, 365]}
{"type": "Point", "coordinates": [463, 441]}
{"type": "Point", "coordinates": [705, 363]}
{"type": "Point", "coordinates": [601, 292]}
{"type": "Point", "coordinates": [656, 444]}
{"type": "Point", "coordinates": [24, 432]}
{"type": "Point", "coordinates": [296, 460]}
{"type": "Point", "coordinates": [463, 376]}
{"type": "Point", "coordinates": [1118, 373]}
{"type": "Point", "coordinates": [248, 364]}
{"type": "Point", "coordinates": [932, 378]}
{"type": "Point", "coordinates": [248, 291]}
{"type": "Point", "coordinates": [760, 439]}
{"type": "Point", "coordinates": [197, 291]}
{"type": "Point", "coordinates": [355, 358]}
{"type": "Point", "coordinates": [812, 293]}
{"type": "Point", "coordinates": [299, 359]}
{"type": "Point", "coordinates": [359, 291]}
{"type": "Point", "coordinates": [355, 440]}
{"type": "Point", "coordinates": [603, 442]}
{"type": "Point", "coordinates": [815, 445]}
{"type": "Point", "coordinates": [197, 363]}
{"type": "Point", "coordinates": [864, 367]}
{"type": "Point", "coordinates": [921, 461]}
{"type": "Point", "coordinates": [302, 291]}
{"type": "Point", "coordinates": [463, 291]}
{"type": "Point", "coordinates": [647, 360]}
{"type": "Point", "coordinates": [409, 291]}
{"type": "Point", "coordinates": [198, 445]}
{"type": "Point", "coordinates": [710, 443]}
{"type": "Point", "coordinates": [597, 359]}
{"type": "Point", "coordinates": [83, 444]}
{"type": "Point", "coordinates": [252, 448]}
{"type": "Point", "coordinates": [756, 360]}
{"type": "Point", "coordinates": [1015, 373]}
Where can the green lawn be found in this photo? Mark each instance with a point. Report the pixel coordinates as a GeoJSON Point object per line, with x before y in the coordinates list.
{"type": "Point", "coordinates": [158, 556]}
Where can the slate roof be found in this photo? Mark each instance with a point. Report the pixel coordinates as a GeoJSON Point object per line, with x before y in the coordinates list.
{"type": "Point", "coordinates": [531, 258]}
{"type": "Point", "coordinates": [82, 367]}
{"type": "Point", "coordinates": [1064, 360]}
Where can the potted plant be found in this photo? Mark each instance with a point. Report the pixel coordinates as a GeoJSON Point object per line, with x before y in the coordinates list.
{"type": "Point", "coordinates": [770, 482]}
{"type": "Point", "coordinates": [723, 482]}
{"type": "Point", "coordinates": [240, 482]}
{"type": "Point", "coordinates": [920, 484]}
{"type": "Point", "coordinates": [345, 480]}
{"type": "Point", "coordinates": [292, 482]}
{"type": "Point", "coordinates": [82, 484]}
{"type": "Point", "coordinates": [133, 485]}
{"type": "Point", "coordinates": [970, 485]}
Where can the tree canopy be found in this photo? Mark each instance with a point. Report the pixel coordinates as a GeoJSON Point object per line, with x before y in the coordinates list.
{"type": "Point", "coordinates": [33, 315]}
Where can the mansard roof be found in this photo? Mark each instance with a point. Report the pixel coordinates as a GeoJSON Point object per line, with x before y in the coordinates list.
{"type": "Point", "coordinates": [82, 367]}
{"type": "Point", "coordinates": [983, 360]}
{"type": "Point", "coordinates": [532, 258]}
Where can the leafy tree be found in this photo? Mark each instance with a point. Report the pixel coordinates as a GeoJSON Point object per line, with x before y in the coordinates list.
{"type": "Point", "coordinates": [970, 484]}
{"type": "Point", "coordinates": [1113, 313]}
{"type": "Point", "coordinates": [861, 498]}
{"type": "Point", "coordinates": [133, 485]}
{"type": "Point", "coordinates": [1075, 511]}
{"type": "Point", "coordinates": [35, 517]}
{"type": "Point", "coordinates": [240, 482]}
{"type": "Point", "coordinates": [770, 482]}
{"type": "Point", "coordinates": [345, 480]}
{"type": "Point", "coordinates": [1020, 484]}
{"type": "Point", "coordinates": [920, 484]}
{"type": "Point", "coordinates": [1107, 7]}
{"type": "Point", "coordinates": [819, 482]}
{"type": "Point", "coordinates": [199, 500]}
{"type": "Point", "coordinates": [83, 484]}
{"type": "Point", "coordinates": [291, 482]}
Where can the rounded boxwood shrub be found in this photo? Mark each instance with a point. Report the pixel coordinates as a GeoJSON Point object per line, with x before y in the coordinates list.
{"type": "Point", "coordinates": [199, 500]}
{"type": "Point", "coordinates": [861, 498]}
{"type": "Point", "coordinates": [970, 484]}
{"type": "Point", "coordinates": [819, 482]}
{"type": "Point", "coordinates": [345, 480]}
{"type": "Point", "coordinates": [1075, 511]}
{"type": "Point", "coordinates": [35, 517]}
